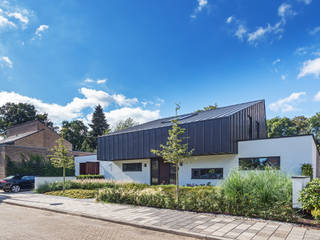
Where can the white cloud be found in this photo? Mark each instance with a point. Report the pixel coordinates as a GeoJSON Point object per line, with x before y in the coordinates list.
{"type": "Point", "coordinates": [285, 10]}
{"type": "Point", "coordinates": [283, 77]}
{"type": "Point", "coordinates": [89, 80]}
{"type": "Point", "coordinates": [241, 31]}
{"type": "Point", "coordinates": [72, 110]}
{"type": "Point", "coordinates": [262, 31]}
{"type": "Point", "coordinates": [39, 31]}
{"type": "Point", "coordinates": [276, 61]}
{"type": "Point", "coordinates": [201, 5]}
{"type": "Point", "coordinates": [286, 104]}
{"type": "Point", "coordinates": [315, 30]}
{"type": "Point", "coordinates": [137, 114]}
{"type": "Point", "coordinates": [301, 51]}
{"type": "Point", "coordinates": [5, 22]}
{"type": "Point", "coordinates": [307, 2]}
{"type": "Point", "coordinates": [98, 81]}
{"type": "Point", "coordinates": [22, 18]}
{"type": "Point", "coordinates": [310, 67]}
{"type": "Point", "coordinates": [7, 62]}
{"type": "Point", "coordinates": [229, 19]}
{"type": "Point", "coordinates": [101, 81]}
{"type": "Point", "coordinates": [317, 97]}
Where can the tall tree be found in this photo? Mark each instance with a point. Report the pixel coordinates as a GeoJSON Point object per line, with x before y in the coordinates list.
{"type": "Point", "coordinates": [280, 127]}
{"type": "Point", "coordinates": [301, 124]}
{"type": "Point", "coordinates": [61, 158]}
{"type": "Point", "coordinates": [75, 132]}
{"type": "Point", "coordinates": [175, 151]}
{"type": "Point", "coordinates": [129, 122]}
{"type": "Point", "coordinates": [12, 114]}
{"type": "Point", "coordinates": [314, 127]}
{"type": "Point", "coordinates": [98, 126]}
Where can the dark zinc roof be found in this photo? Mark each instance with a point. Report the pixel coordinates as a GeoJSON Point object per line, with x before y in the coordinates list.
{"type": "Point", "coordinates": [191, 117]}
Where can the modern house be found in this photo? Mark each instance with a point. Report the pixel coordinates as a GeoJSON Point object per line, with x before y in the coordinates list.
{"type": "Point", "coordinates": [223, 139]}
{"type": "Point", "coordinates": [29, 138]}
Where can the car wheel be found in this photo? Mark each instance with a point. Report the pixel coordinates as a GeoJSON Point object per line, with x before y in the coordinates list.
{"type": "Point", "coordinates": [15, 188]}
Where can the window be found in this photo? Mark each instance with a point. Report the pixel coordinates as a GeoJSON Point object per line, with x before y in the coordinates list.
{"type": "Point", "coordinates": [259, 163]}
{"type": "Point", "coordinates": [207, 173]}
{"type": "Point", "coordinates": [258, 129]}
{"type": "Point", "coordinates": [250, 127]}
{"type": "Point", "coordinates": [132, 167]}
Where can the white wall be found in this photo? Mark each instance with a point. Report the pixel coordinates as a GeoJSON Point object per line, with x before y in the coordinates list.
{"type": "Point", "coordinates": [227, 162]}
{"type": "Point", "coordinates": [293, 152]}
{"type": "Point", "coordinates": [113, 169]}
{"type": "Point", "coordinates": [38, 181]}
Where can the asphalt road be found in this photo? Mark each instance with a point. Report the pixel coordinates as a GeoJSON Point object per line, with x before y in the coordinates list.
{"type": "Point", "coordinates": [29, 224]}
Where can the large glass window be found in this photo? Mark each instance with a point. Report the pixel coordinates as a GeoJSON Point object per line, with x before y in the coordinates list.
{"type": "Point", "coordinates": [132, 167]}
{"type": "Point", "coordinates": [207, 173]}
{"type": "Point", "coordinates": [259, 163]}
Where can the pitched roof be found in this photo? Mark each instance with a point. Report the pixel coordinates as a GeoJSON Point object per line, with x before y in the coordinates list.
{"type": "Point", "coordinates": [14, 138]}
{"type": "Point", "coordinates": [190, 117]}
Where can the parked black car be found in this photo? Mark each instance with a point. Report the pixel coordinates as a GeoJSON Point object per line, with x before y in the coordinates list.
{"type": "Point", "coordinates": [17, 183]}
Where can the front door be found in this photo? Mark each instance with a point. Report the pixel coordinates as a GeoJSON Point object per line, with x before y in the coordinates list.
{"type": "Point", "coordinates": [161, 172]}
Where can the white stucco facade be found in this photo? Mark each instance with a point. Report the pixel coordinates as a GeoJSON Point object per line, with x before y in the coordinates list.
{"type": "Point", "coordinates": [293, 152]}
{"type": "Point", "coordinates": [227, 162]}
{"type": "Point", "coordinates": [113, 169]}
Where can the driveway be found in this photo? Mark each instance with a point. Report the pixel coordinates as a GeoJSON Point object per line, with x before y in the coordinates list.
{"type": "Point", "coordinates": [33, 224]}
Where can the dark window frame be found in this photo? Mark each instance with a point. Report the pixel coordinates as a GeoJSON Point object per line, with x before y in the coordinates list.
{"type": "Point", "coordinates": [250, 127]}
{"type": "Point", "coordinates": [194, 170]}
{"type": "Point", "coordinates": [258, 129]}
{"type": "Point", "coordinates": [137, 168]}
{"type": "Point", "coordinates": [261, 165]}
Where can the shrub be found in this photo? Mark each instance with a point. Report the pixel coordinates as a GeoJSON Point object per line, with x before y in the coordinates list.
{"type": "Point", "coordinates": [306, 170]}
{"type": "Point", "coordinates": [310, 198]}
{"type": "Point", "coordinates": [264, 194]}
{"type": "Point", "coordinates": [89, 176]}
{"type": "Point", "coordinates": [75, 193]}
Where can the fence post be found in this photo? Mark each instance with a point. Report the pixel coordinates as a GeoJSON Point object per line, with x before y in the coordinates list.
{"type": "Point", "coordinates": [298, 183]}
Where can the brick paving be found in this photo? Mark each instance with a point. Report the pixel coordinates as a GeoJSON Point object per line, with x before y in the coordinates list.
{"type": "Point", "coordinates": [200, 225]}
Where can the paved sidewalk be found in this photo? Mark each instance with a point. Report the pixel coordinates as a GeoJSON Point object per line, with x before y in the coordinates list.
{"type": "Point", "coordinates": [207, 226]}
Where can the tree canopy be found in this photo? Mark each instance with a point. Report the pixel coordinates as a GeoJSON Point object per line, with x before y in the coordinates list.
{"type": "Point", "coordinates": [123, 124]}
{"type": "Point", "coordinates": [207, 108]}
{"type": "Point", "coordinates": [12, 114]}
{"type": "Point", "coordinates": [75, 132]}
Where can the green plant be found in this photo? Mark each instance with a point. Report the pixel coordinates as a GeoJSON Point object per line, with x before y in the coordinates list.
{"type": "Point", "coordinates": [175, 151]}
{"type": "Point", "coordinates": [310, 197]}
{"type": "Point", "coordinates": [306, 170]}
{"type": "Point", "coordinates": [89, 176]}
{"type": "Point", "coordinates": [255, 193]}
{"type": "Point", "coordinates": [75, 193]}
{"type": "Point", "coordinates": [61, 158]}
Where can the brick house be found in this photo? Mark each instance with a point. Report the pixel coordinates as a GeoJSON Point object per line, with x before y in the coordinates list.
{"type": "Point", "coordinates": [29, 138]}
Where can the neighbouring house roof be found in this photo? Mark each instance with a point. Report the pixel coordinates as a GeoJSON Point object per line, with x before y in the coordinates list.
{"type": "Point", "coordinates": [14, 138]}
{"type": "Point", "coordinates": [220, 112]}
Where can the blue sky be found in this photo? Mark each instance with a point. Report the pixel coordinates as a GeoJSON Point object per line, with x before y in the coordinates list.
{"type": "Point", "coordinates": [139, 57]}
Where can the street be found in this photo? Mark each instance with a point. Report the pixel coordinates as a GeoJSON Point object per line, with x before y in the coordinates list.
{"type": "Point", "coordinates": [28, 224]}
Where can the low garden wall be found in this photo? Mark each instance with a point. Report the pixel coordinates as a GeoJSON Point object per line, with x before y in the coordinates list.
{"type": "Point", "coordinates": [46, 180]}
